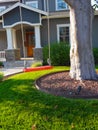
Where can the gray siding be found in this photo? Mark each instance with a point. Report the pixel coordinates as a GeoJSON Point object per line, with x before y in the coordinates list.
{"type": "Point", "coordinates": [1, 27]}
{"type": "Point", "coordinates": [53, 30]}
{"type": "Point", "coordinates": [14, 16]}
{"type": "Point", "coordinates": [3, 41]}
{"type": "Point", "coordinates": [52, 5]}
{"type": "Point", "coordinates": [95, 32]}
{"type": "Point", "coordinates": [41, 4]}
{"type": "Point", "coordinates": [30, 16]}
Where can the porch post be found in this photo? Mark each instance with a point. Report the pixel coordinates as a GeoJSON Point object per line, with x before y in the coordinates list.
{"type": "Point", "coordinates": [12, 53]}
{"type": "Point", "coordinates": [14, 38]}
{"type": "Point", "coordinates": [37, 37]}
{"type": "Point", "coordinates": [9, 38]}
{"type": "Point", "coordinates": [38, 55]}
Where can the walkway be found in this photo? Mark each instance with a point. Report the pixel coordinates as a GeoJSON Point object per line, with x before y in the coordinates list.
{"type": "Point", "coordinates": [10, 71]}
{"type": "Point", "coordinates": [14, 67]}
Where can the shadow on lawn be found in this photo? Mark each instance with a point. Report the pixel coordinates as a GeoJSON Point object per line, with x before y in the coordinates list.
{"type": "Point", "coordinates": [24, 94]}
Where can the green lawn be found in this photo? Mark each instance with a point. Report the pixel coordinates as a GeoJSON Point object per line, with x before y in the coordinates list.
{"type": "Point", "coordinates": [23, 106]}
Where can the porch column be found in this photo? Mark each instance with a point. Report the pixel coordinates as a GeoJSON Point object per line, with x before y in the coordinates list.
{"type": "Point", "coordinates": [37, 37]}
{"type": "Point", "coordinates": [38, 55]}
{"type": "Point", "coordinates": [14, 38]}
{"type": "Point", "coordinates": [12, 53]}
{"type": "Point", "coordinates": [9, 38]}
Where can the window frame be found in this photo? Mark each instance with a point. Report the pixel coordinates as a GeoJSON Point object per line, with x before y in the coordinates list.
{"type": "Point", "coordinates": [32, 2]}
{"type": "Point", "coordinates": [58, 30]}
{"type": "Point", "coordinates": [2, 8]}
{"type": "Point", "coordinates": [56, 1]}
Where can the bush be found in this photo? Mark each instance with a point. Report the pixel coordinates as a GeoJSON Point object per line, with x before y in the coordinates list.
{"type": "Point", "coordinates": [1, 76]}
{"type": "Point", "coordinates": [36, 64]}
{"type": "Point", "coordinates": [59, 54]}
{"type": "Point", "coordinates": [1, 64]}
{"type": "Point", "coordinates": [95, 52]}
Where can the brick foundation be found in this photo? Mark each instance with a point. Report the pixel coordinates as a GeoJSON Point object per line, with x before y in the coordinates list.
{"type": "Point", "coordinates": [12, 54]}
{"type": "Point", "coordinates": [38, 54]}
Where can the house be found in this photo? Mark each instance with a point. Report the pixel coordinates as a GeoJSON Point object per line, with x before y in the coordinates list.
{"type": "Point", "coordinates": [28, 25]}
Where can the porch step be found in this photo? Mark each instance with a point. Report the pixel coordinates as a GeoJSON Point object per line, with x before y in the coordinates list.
{"type": "Point", "coordinates": [21, 63]}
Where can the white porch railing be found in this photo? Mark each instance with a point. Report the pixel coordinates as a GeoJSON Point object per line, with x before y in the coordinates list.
{"type": "Point", "coordinates": [2, 56]}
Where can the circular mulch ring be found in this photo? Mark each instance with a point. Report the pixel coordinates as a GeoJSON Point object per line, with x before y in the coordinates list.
{"type": "Point", "coordinates": [60, 84]}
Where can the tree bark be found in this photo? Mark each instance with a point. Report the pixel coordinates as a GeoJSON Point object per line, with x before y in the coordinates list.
{"type": "Point", "coordinates": [81, 55]}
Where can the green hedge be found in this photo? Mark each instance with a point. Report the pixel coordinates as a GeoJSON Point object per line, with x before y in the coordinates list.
{"type": "Point", "coordinates": [1, 76]}
{"type": "Point", "coordinates": [1, 64]}
{"type": "Point", "coordinates": [59, 53]}
{"type": "Point", "coordinates": [95, 52]}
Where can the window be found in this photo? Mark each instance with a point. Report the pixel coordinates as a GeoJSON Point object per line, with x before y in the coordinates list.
{"type": "Point", "coordinates": [61, 5]}
{"type": "Point", "coordinates": [33, 4]}
{"type": "Point", "coordinates": [2, 8]}
{"type": "Point", "coordinates": [63, 33]}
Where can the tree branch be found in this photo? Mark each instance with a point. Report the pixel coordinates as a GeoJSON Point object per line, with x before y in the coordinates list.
{"type": "Point", "coordinates": [69, 2]}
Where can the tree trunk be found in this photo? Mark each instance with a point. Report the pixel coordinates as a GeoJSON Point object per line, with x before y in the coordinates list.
{"type": "Point", "coordinates": [81, 56]}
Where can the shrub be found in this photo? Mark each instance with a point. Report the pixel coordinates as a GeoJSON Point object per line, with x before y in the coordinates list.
{"type": "Point", "coordinates": [1, 76]}
{"type": "Point", "coordinates": [95, 52]}
{"type": "Point", "coordinates": [59, 54]}
{"type": "Point", "coordinates": [36, 64]}
{"type": "Point", "coordinates": [1, 64]}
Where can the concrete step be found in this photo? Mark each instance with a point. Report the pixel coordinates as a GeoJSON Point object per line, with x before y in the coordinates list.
{"type": "Point", "coordinates": [21, 63]}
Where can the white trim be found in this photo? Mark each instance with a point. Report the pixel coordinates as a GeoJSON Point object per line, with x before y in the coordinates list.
{"type": "Point", "coordinates": [8, 1]}
{"type": "Point", "coordinates": [2, 8]}
{"type": "Point", "coordinates": [62, 25]}
{"type": "Point", "coordinates": [56, 6]}
{"type": "Point", "coordinates": [44, 5]}
{"type": "Point", "coordinates": [14, 38]}
{"type": "Point", "coordinates": [57, 15]}
{"type": "Point", "coordinates": [23, 22]}
{"type": "Point", "coordinates": [9, 38]}
{"type": "Point", "coordinates": [40, 18]}
{"type": "Point", "coordinates": [24, 6]}
{"type": "Point", "coordinates": [37, 37]}
{"type": "Point", "coordinates": [1, 21]}
{"type": "Point", "coordinates": [2, 56]}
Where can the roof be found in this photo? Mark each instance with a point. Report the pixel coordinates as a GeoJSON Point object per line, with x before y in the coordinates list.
{"type": "Point", "coordinates": [2, 1]}
{"type": "Point", "coordinates": [18, 4]}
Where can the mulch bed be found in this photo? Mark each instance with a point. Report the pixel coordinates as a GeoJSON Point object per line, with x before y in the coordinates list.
{"type": "Point", "coordinates": [60, 84]}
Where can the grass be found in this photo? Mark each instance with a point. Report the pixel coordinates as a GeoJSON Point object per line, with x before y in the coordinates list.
{"type": "Point", "coordinates": [37, 64]}
{"type": "Point", "coordinates": [23, 107]}
{"type": "Point", "coordinates": [1, 76]}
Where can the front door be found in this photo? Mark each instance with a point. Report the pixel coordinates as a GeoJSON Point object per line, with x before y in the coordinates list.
{"type": "Point", "coordinates": [30, 43]}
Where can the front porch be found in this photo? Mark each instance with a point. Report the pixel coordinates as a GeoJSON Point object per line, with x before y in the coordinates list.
{"type": "Point", "coordinates": [22, 32]}
{"type": "Point", "coordinates": [25, 46]}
